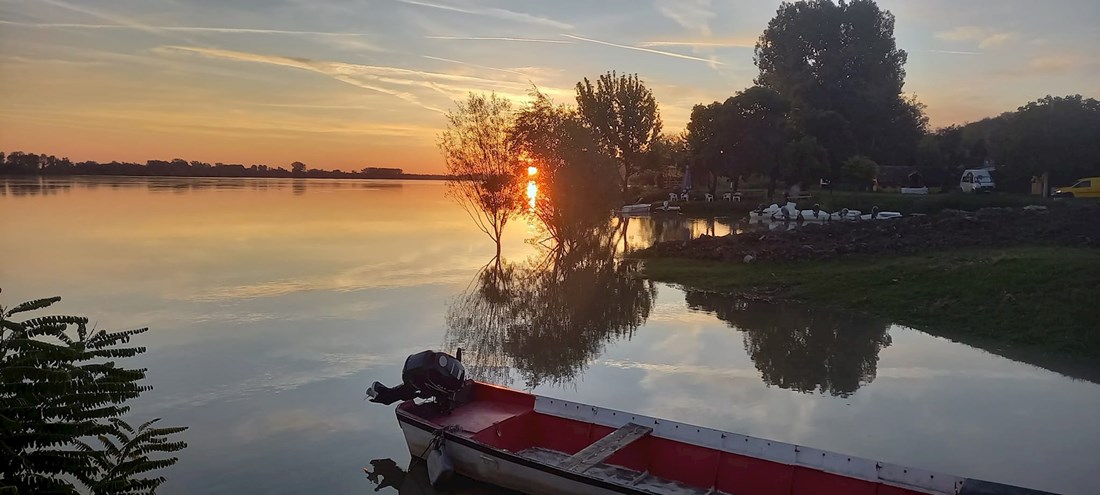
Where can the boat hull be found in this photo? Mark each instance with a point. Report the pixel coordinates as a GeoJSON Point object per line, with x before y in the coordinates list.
{"type": "Point", "coordinates": [498, 468]}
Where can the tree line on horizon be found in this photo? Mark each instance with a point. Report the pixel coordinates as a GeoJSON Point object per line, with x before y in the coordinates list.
{"type": "Point", "coordinates": [20, 163]}
{"type": "Point", "coordinates": [827, 104]}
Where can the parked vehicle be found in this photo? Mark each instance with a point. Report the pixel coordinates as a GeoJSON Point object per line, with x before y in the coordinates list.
{"type": "Point", "coordinates": [977, 180]}
{"type": "Point", "coordinates": [546, 446]}
{"type": "Point", "coordinates": [1088, 187]}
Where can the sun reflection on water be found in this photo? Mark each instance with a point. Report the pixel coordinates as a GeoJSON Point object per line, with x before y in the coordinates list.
{"type": "Point", "coordinates": [532, 188]}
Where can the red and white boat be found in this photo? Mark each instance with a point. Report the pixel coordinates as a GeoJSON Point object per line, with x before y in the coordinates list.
{"type": "Point", "coordinates": [541, 445]}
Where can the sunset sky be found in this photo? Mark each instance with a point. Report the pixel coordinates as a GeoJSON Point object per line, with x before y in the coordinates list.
{"type": "Point", "coordinates": [353, 83]}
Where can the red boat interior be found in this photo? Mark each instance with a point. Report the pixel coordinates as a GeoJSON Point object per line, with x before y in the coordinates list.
{"type": "Point", "coordinates": [506, 420]}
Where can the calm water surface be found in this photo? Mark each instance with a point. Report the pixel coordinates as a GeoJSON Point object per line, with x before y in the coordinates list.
{"type": "Point", "coordinates": [274, 303]}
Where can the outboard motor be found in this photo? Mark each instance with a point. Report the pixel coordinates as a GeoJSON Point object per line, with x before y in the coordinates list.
{"type": "Point", "coordinates": [427, 374]}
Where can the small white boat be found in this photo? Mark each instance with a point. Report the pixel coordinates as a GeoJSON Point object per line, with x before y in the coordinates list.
{"type": "Point", "coordinates": [667, 207]}
{"type": "Point", "coordinates": [845, 215]}
{"type": "Point", "coordinates": [635, 208]}
{"type": "Point", "coordinates": [762, 212]}
{"type": "Point", "coordinates": [773, 224]}
{"type": "Point", "coordinates": [814, 214]}
{"type": "Point", "coordinates": [786, 213]}
{"type": "Point", "coordinates": [880, 215]}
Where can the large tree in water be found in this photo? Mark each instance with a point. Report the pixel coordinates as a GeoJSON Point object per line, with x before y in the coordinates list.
{"type": "Point", "coordinates": [840, 67]}
{"type": "Point", "coordinates": [576, 179]}
{"type": "Point", "coordinates": [484, 163]}
{"type": "Point", "coordinates": [623, 113]}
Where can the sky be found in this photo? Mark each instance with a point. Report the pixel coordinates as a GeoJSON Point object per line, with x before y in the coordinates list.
{"type": "Point", "coordinates": [354, 83]}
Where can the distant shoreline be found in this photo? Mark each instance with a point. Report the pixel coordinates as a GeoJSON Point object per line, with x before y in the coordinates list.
{"type": "Point", "coordinates": [18, 163]}
{"type": "Point", "coordinates": [349, 177]}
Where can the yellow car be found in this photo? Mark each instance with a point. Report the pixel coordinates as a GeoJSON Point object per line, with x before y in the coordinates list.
{"type": "Point", "coordinates": [1088, 187]}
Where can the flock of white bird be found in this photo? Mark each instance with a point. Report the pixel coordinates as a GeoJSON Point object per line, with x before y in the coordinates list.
{"type": "Point", "coordinates": [790, 212]}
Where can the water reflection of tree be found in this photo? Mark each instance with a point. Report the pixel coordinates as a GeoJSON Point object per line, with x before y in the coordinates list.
{"type": "Point", "coordinates": [550, 315]}
{"type": "Point", "coordinates": [801, 348]}
{"type": "Point", "coordinates": [646, 231]}
{"type": "Point", "coordinates": [35, 187]}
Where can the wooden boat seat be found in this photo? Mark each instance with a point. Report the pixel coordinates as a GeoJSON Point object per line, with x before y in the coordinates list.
{"type": "Point", "coordinates": [605, 447]}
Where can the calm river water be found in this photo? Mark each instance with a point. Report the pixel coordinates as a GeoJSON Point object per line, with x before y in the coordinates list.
{"type": "Point", "coordinates": [273, 304]}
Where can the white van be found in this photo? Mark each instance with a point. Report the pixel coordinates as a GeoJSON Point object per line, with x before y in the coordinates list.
{"type": "Point", "coordinates": [977, 180]}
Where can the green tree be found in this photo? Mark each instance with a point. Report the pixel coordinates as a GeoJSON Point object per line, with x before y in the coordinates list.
{"type": "Point", "coordinates": [805, 160]}
{"type": "Point", "coordinates": [708, 137]}
{"type": "Point", "coordinates": [484, 162]}
{"type": "Point", "coordinates": [943, 154]}
{"type": "Point", "coordinates": [669, 151]}
{"type": "Point", "coordinates": [1056, 135]}
{"type": "Point", "coordinates": [624, 114]}
{"type": "Point", "coordinates": [62, 386]}
{"type": "Point", "coordinates": [859, 170]}
{"type": "Point", "coordinates": [759, 128]}
{"type": "Point", "coordinates": [748, 133]}
{"type": "Point", "coordinates": [840, 67]}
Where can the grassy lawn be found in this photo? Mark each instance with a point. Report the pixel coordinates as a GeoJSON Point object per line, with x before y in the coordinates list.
{"type": "Point", "coordinates": [1034, 298]}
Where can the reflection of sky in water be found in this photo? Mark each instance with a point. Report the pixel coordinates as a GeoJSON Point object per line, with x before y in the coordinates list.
{"type": "Point", "coordinates": [273, 304]}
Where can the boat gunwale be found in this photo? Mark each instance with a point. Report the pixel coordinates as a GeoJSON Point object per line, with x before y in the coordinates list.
{"type": "Point", "coordinates": [758, 448]}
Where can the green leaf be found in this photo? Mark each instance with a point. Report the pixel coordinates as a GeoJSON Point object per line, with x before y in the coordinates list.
{"type": "Point", "coordinates": [33, 305]}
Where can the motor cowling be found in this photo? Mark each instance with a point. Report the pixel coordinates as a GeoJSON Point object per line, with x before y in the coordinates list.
{"type": "Point", "coordinates": [426, 374]}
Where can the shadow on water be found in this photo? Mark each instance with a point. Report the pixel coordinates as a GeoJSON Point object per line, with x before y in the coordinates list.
{"type": "Point", "coordinates": [1076, 367]}
{"type": "Point", "coordinates": [549, 316]}
{"type": "Point", "coordinates": [802, 348]}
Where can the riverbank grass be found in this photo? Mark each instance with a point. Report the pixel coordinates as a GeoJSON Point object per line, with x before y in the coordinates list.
{"type": "Point", "coordinates": [1037, 298]}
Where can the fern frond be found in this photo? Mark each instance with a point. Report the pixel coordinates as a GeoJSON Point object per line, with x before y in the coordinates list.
{"type": "Point", "coordinates": [63, 394]}
{"type": "Point", "coordinates": [33, 305]}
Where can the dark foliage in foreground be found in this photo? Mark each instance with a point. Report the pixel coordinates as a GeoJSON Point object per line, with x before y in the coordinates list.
{"type": "Point", "coordinates": [62, 394]}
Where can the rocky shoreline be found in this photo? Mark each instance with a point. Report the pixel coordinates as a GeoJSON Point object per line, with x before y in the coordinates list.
{"type": "Point", "coordinates": [1068, 225]}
